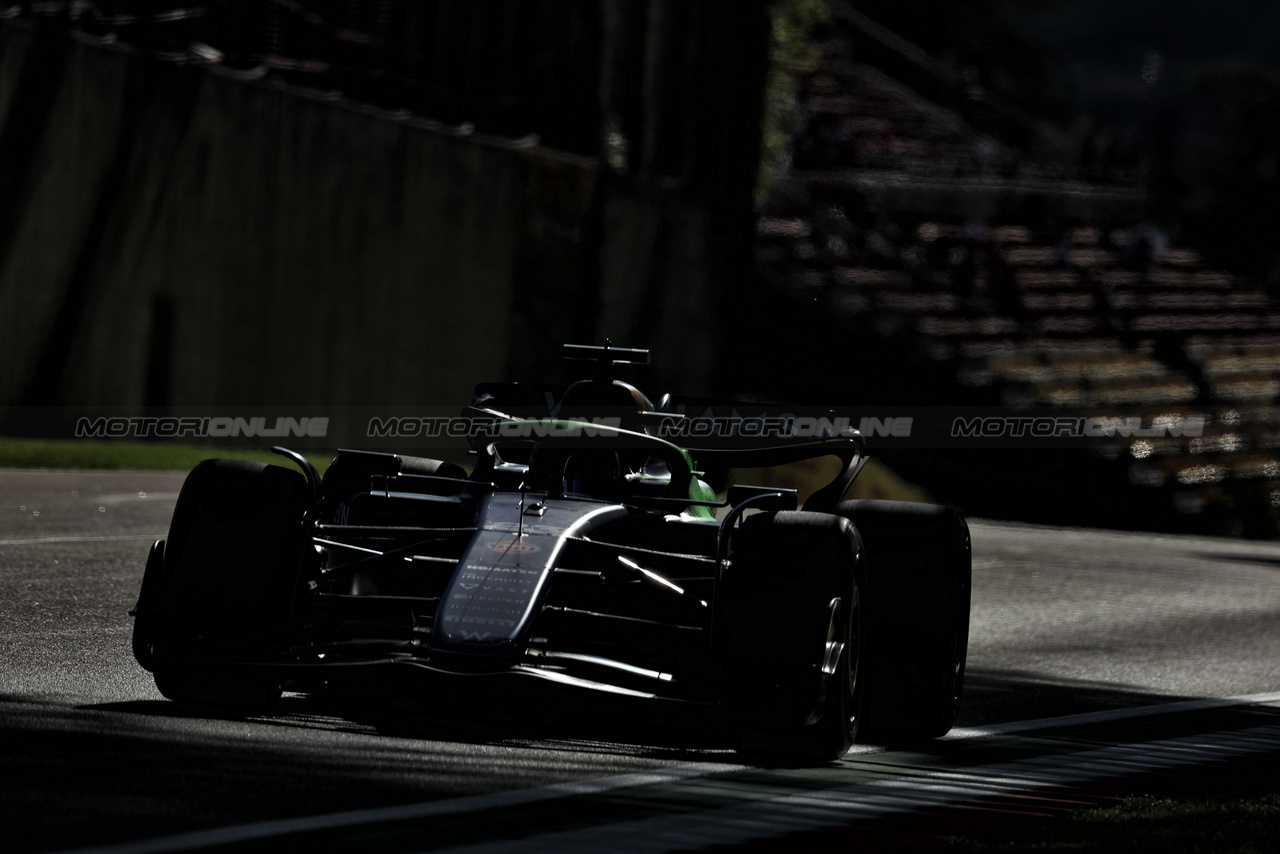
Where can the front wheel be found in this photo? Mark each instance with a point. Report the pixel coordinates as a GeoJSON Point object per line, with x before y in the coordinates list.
{"type": "Point", "coordinates": [793, 622]}
{"type": "Point", "coordinates": [919, 573]}
{"type": "Point", "coordinates": [223, 581]}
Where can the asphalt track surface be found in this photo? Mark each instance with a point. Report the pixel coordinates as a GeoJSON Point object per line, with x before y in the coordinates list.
{"type": "Point", "coordinates": [1064, 622]}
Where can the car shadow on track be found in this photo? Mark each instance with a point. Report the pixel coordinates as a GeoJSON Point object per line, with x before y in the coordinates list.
{"type": "Point", "coordinates": [990, 697]}
{"type": "Point", "coordinates": [1001, 696]}
{"type": "Point", "coordinates": [95, 774]}
{"type": "Point", "coordinates": [1267, 561]}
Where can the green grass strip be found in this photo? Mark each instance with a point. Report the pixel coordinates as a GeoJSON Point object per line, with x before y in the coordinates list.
{"type": "Point", "coordinates": [88, 454]}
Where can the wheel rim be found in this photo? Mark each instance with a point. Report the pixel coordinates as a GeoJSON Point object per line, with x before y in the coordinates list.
{"type": "Point", "coordinates": [853, 682]}
{"type": "Point", "coordinates": [960, 618]}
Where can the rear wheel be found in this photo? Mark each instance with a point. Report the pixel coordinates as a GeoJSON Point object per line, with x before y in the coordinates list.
{"type": "Point", "coordinates": [918, 579]}
{"type": "Point", "coordinates": [793, 625]}
{"type": "Point", "coordinates": [224, 579]}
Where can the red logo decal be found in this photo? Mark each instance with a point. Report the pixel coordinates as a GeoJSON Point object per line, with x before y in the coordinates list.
{"type": "Point", "coordinates": [513, 547]}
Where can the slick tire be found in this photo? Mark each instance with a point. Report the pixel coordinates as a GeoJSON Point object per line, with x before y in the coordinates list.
{"type": "Point", "coordinates": [918, 581]}
{"type": "Point", "coordinates": [224, 577]}
{"type": "Point", "coordinates": [793, 634]}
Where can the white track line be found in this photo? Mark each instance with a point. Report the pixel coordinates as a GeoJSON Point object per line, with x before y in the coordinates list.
{"type": "Point", "coordinates": [773, 816]}
{"type": "Point", "coordinates": [1270, 699]}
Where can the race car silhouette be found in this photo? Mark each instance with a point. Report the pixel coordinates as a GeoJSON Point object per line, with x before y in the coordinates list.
{"type": "Point", "coordinates": [583, 554]}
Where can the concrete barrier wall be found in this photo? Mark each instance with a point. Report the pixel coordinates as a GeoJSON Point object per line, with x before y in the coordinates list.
{"type": "Point", "coordinates": [172, 237]}
{"type": "Point", "coordinates": [176, 237]}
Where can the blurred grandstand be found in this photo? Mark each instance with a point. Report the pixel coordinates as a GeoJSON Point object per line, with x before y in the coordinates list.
{"type": "Point", "coordinates": [947, 267]}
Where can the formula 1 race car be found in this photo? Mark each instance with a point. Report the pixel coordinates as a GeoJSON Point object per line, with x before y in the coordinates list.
{"type": "Point", "coordinates": [582, 555]}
